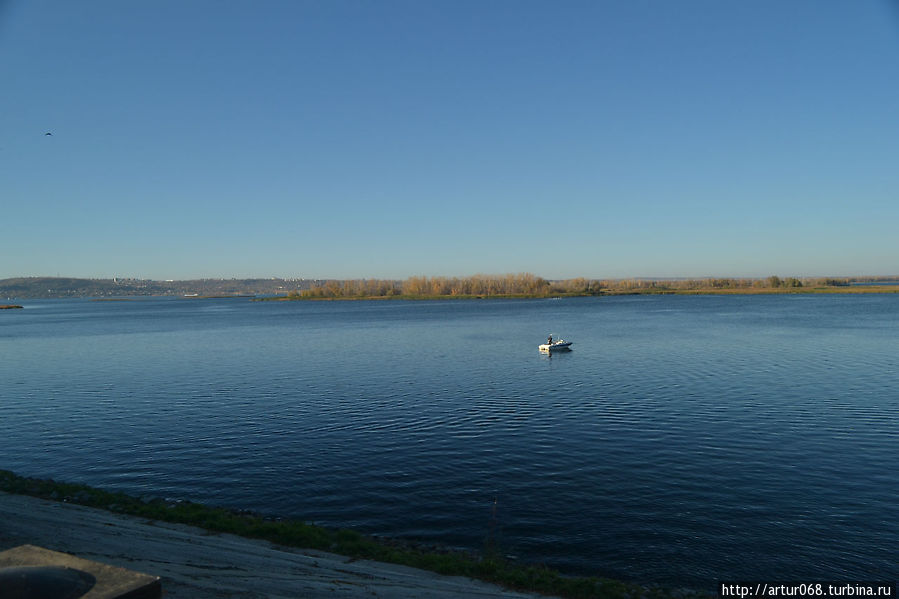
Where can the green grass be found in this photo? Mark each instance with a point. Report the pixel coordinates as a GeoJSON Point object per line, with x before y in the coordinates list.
{"type": "Point", "coordinates": [350, 543]}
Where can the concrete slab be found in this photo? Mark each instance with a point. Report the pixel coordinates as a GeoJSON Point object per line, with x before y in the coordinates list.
{"type": "Point", "coordinates": [34, 572]}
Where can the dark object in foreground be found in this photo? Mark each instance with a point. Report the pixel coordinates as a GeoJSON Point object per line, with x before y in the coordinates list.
{"type": "Point", "coordinates": [44, 582]}
{"type": "Point", "coordinates": [29, 572]}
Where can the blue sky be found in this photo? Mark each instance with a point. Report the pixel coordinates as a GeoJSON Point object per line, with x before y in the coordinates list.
{"type": "Point", "coordinates": [345, 138]}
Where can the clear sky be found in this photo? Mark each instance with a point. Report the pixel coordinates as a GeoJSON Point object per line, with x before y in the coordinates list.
{"type": "Point", "coordinates": [389, 138]}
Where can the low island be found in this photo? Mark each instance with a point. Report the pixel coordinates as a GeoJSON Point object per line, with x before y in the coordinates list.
{"type": "Point", "coordinates": [522, 285]}
{"type": "Point", "coordinates": [530, 286]}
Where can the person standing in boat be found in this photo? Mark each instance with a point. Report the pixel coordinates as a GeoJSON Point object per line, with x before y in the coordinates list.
{"type": "Point", "coordinates": [549, 340]}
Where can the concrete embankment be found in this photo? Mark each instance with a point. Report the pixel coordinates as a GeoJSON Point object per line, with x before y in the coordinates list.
{"type": "Point", "coordinates": [197, 564]}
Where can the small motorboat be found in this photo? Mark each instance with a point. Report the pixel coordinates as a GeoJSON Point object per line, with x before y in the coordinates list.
{"type": "Point", "coordinates": [551, 346]}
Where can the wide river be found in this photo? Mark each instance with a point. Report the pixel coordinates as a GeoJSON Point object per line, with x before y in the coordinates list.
{"type": "Point", "coordinates": [684, 440]}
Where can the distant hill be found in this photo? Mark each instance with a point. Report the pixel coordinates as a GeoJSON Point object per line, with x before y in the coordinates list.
{"type": "Point", "coordinates": [60, 287]}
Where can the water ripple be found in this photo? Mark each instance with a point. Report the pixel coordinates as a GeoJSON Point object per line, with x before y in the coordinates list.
{"type": "Point", "coordinates": [684, 440]}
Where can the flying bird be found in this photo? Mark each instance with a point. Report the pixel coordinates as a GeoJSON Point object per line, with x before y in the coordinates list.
{"type": "Point", "coordinates": [48, 133]}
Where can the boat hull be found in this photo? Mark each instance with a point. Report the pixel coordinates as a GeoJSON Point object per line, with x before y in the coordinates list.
{"type": "Point", "coordinates": [558, 346]}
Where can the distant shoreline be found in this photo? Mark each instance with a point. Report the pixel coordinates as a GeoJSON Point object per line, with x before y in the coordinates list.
{"type": "Point", "coordinates": [520, 285]}
{"type": "Point", "coordinates": [850, 290]}
{"type": "Point", "coordinates": [526, 285]}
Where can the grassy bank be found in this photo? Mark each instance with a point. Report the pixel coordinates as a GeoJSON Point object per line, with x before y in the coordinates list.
{"type": "Point", "coordinates": [490, 568]}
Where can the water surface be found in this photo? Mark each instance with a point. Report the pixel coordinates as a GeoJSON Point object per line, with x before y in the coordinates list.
{"type": "Point", "coordinates": [683, 441]}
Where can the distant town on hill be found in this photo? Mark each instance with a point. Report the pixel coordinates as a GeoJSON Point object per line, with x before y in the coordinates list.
{"type": "Point", "coordinates": [61, 287]}
{"type": "Point", "coordinates": [524, 284]}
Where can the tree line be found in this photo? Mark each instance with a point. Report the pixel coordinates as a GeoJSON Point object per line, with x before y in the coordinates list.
{"type": "Point", "coordinates": [527, 284]}
{"type": "Point", "coordinates": [420, 286]}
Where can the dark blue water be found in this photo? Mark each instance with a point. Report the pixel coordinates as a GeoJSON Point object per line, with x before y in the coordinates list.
{"type": "Point", "coordinates": [683, 441]}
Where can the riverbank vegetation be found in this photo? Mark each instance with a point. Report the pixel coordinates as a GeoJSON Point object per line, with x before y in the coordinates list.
{"type": "Point", "coordinates": [477, 286]}
{"type": "Point", "coordinates": [490, 566]}
{"type": "Point", "coordinates": [528, 285]}
{"type": "Point", "coordinates": [510, 285]}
